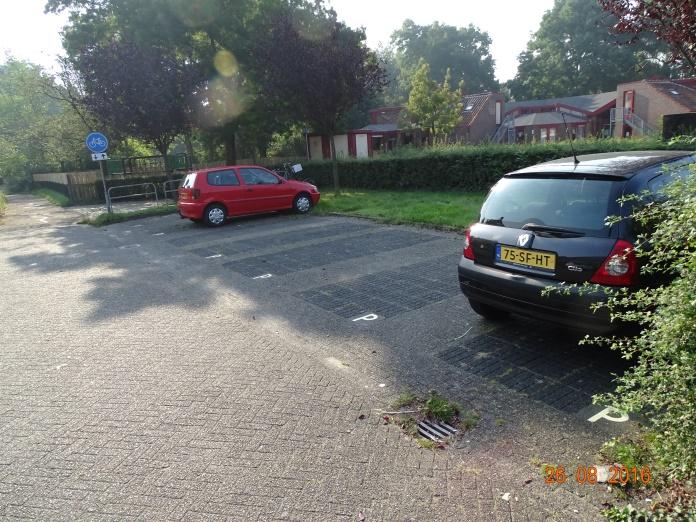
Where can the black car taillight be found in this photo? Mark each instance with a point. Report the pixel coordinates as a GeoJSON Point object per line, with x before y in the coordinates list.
{"type": "Point", "coordinates": [620, 268]}
{"type": "Point", "coordinates": [468, 249]}
{"type": "Point", "coordinates": [196, 193]}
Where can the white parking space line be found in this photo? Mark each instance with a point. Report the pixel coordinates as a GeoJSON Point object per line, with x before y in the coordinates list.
{"type": "Point", "coordinates": [367, 317]}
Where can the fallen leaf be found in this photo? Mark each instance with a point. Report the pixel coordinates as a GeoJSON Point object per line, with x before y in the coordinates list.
{"type": "Point", "coordinates": [361, 416]}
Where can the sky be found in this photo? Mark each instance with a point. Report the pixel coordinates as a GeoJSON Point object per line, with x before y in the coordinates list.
{"type": "Point", "coordinates": [27, 33]}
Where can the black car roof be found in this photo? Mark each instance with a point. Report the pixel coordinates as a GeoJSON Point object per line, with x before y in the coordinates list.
{"type": "Point", "coordinates": [623, 164]}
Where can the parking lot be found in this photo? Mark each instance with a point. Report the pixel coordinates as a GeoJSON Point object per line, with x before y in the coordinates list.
{"type": "Point", "coordinates": [397, 285]}
{"type": "Point", "coordinates": [157, 368]}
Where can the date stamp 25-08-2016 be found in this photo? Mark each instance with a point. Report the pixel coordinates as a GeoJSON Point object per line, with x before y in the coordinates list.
{"type": "Point", "coordinates": [615, 474]}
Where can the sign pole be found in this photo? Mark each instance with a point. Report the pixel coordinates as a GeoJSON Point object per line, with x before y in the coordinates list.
{"type": "Point", "coordinates": [98, 144]}
{"type": "Point", "coordinates": [107, 200]}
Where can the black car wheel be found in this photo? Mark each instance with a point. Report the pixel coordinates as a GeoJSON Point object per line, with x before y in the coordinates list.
{"type": "Point", "coordinates": [214, 215]}
{"type": "Point", "coordinates": [488, 312]}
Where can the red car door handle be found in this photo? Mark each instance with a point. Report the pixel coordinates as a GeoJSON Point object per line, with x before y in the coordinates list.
{"type": "Point", "coordinates": [250, 190]}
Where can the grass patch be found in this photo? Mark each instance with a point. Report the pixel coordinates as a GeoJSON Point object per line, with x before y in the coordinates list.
{"type": "Point", "coordinates": [434, 408]}
{"type": "Point", "coordinates": [629, 451]}
{"type": "Point", "coordinates": [404, 399]}
{"type": "Point", "coordinates": [427, 443]}
{"type": "Point", "coordinates": [438, 408]}
{"type": "Point", "coordinates": [117, 217]}
{"type": "Point", "coordinates": [469, 420]}
{"type": "Point", "coordinates": [444, 209]}
{"type": "Point", "coordinates": [53, 196]}
{"type": "Point", "coordinates": [3, 204]}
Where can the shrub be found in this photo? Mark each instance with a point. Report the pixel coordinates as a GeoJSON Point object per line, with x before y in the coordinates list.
{"type": "Point", "coordinates": [460, 167]}
{"type": "Point", "coordinates": [661, 384]}
{"type": "Point", "coordinates": [3, 203]}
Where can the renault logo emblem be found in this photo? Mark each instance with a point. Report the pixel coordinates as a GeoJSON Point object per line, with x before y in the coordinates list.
{"type": "Point", "coordinates": [525, 240]}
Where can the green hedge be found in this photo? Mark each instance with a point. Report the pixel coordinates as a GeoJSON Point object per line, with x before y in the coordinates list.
{"type": "Point", "coordinates": [456, 167]}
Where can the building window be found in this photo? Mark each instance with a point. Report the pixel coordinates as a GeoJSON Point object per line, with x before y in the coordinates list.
{"type": "Point", "coordinates": [552, 134]}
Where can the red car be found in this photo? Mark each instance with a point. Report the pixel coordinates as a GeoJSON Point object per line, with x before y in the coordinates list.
{"type": "Point", "coordinates": [215, 194]}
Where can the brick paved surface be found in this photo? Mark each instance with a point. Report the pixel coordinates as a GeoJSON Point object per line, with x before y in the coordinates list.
{"type": "Point", "coordinates": [138, 380]}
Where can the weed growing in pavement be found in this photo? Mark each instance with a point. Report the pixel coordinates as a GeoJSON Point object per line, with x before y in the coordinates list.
{"type": "Point", "coordinates": [406, 398]}
{"type": "Point", "coordinates": [469, 420]}
{"type": "Point", "coordinates": [439, 408]}
{"type": "Point", "coordinates": [427, 443]}
{"type": "Point", "coordinates": [412, 409]}
{"type": "Point", "coordinates": [629, 451]}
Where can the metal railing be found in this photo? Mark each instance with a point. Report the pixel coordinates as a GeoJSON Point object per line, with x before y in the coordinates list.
{"type": "Point", "coordinates": [621, 115]}
{"type": "Point", "coordinates": [110, 198]}
{"type": "Point", "coordinates": [174, 190]}
{"type": "Point", "coordinates": [503, 130]}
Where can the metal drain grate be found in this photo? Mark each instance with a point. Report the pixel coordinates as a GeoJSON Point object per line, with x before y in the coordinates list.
{"type": "Point", "coordinates": [435, 431]}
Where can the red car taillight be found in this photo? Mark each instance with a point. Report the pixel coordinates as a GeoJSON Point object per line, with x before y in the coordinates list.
{"type": "Point", "coordinates": [468, 249]}
{"type": "Point", "coordinates": [620, 268]}
{"type": "Point", "coordinates": [196, 193]}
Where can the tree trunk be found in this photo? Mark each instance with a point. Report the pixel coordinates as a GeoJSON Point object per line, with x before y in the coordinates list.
{"type": "Point", "coordinates": [334, 166]}
{"type": "Point", "coordinates": [189, 148]}
{"type": "Point", "coordinates": [231, 149]}
{"type": "Point", "coordinates": [162, 148]}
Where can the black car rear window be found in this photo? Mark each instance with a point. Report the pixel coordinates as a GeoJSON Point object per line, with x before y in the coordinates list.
{"type": "Point", "coordinates": [577, 204]}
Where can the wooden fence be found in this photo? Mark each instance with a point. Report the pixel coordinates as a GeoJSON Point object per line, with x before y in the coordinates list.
{"type": "Point", "coordinates": [80, 187]}
{"type": "Point", "coordinates": [86, 187]}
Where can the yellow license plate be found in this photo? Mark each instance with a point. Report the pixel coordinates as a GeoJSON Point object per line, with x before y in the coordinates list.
{"type": "Point", "coordinates": [524, 257]}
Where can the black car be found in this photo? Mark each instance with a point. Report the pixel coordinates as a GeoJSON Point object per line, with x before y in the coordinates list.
{"type": "Point", "coordinates": [545, 224]}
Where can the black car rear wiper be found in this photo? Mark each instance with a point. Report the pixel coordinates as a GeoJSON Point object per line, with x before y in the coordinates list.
{"type": "Point", "coordinates": [555, 231]}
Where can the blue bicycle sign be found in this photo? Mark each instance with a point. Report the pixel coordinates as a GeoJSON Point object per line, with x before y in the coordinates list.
{"type": "Point", "coordinates": [97, 142]}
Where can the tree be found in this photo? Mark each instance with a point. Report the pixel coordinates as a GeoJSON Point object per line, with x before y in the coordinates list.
{"type": "Point", "coordinates": [36, 130]}
{"type": "Point", "coordinates": [141, 92]}
{"type": "Point", "coordinates": [573, 53]}
{"type": "Point", "coordinates": [465, 51]}
{"type": "Point", "coordinates": [671, 21]}
{"type": "Point", "coordinates": [319, 79]}
{"type": "Point", "coordinates": [432, 106]}
{"type": "Point", "coordinates": [218, 35]}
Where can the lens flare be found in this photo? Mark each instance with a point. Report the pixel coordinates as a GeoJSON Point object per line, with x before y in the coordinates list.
{"type": "Point", "coordinates": [225, 63]}
{"type": "Point", "coordinates": [222, 100]}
